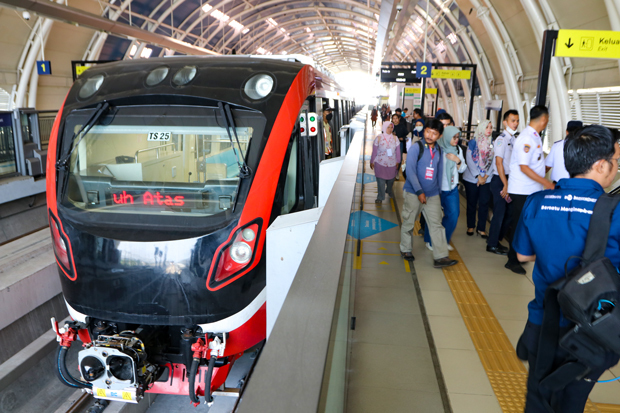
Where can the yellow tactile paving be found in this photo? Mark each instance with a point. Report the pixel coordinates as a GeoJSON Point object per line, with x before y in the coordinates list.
{"type": "Point", "coordinates": [505, 371]}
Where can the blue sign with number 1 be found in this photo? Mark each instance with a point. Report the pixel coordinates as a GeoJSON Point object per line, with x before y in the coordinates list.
{"type": "Point", "coordinates": [44, 67]}
{"type": "Point", "coordinates": [423, 69]}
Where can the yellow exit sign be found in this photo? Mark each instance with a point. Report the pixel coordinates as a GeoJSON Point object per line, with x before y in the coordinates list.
{"type": "Point", "coordinates": [450, 74]}
{"type": "Point", "coordinates": [603, 44]}
{"type": "Point", "coordinates": [410, 91]}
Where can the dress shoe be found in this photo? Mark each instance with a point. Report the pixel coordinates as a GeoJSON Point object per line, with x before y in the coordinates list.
{"type": "Point", "coordinates": [470, 233]}
{"type": "Point", "coordinates": [499, 250]}
{"type": "Point", "coordinates": [407, 256]}
{"type": "Point", "coordinates": [516, 268]}
{"type": "Point", "coordinates": [482, 234]}
{"type": "Point", "coordinates": [444, 262]}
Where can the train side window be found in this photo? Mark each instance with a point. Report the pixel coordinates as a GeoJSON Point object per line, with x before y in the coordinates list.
{"type": "Point", "coordinates": [290, 196]}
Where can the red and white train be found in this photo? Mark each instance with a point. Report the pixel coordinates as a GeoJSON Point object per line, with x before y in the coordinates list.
{"type": "Point", "coordinates": [163, 176]}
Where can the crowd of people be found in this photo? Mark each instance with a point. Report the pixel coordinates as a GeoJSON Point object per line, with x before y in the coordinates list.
{"type": "Point", "coordinates": [493, 179]}
{"type": "Point", "coordinates": [538, 219]}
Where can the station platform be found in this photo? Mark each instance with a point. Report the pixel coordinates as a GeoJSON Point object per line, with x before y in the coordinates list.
{"type": "Point", "coordinates": [439, 340]}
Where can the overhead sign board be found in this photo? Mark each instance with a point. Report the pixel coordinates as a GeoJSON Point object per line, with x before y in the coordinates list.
{"type": "Point", "coordinates": [399, 72]}
{"type": "Point", "coordinates": [588, 43]}
{"type": "Point", "coordinates": [451, 74]}
{"type": "Point", "coordinates": [410, 91]}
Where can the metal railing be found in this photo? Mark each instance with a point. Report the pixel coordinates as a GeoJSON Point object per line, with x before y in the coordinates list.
{"type": "Point", "coordinates": [303, 366]}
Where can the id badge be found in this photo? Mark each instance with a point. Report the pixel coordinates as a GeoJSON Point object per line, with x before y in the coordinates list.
{"type": "Point", "coordinates": [389, 151]}
{"type": "Point", "coordinates": [430, 172]}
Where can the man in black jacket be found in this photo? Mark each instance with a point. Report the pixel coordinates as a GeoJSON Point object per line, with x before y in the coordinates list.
{"type": "Point", "coordinates": [400, 130]}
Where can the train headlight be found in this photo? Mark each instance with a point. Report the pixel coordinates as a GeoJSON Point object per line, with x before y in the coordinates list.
{"type": "Point", "coordinates": [157, 75]}
{"type": "Point", "coordinates": [240, 252]}
{"type": "Point", "coordinates": [248, 234]}
{"type": "Point", "coordinates": [184, 75]}
{"type": "Point", "coordinates": [90, 87]}
{"type": "Point", "coordinates": [259, 86]}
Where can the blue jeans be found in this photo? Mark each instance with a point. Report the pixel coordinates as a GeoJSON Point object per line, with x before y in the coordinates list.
{"type": "Point", "coordinates": [451, 211]}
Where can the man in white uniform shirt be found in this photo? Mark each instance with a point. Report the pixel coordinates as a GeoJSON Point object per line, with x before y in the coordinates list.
{"type": "Point", "coordinates": [555, 159]}
{"type": "Point", "coordinates": [500, 224]}
{"type": "Point", "coordinates": [527, 174]}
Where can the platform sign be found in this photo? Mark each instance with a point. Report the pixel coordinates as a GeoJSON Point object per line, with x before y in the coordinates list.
{"type": "Point", "coordinates": [44, 67]}
{"type": "Point", "coordinates": [410, 91]}
{"type": "Point", "coordinates": [364, 225]}
{"type": "Point", "coordinates": [451, 74]}
{"type": "Point", "coordinates": [423, 69]}
{"type": "Point", "coordinates": [603, 44]}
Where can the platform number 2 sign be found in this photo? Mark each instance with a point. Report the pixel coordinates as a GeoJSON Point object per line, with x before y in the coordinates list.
{"type": "Point", "coordinates": [423, 69]}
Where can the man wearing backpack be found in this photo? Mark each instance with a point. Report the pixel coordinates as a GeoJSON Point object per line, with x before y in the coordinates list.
{"type": "Point", "coordinates": [552, 231]}
{"type": "Point", "coordinates": [421, 191]}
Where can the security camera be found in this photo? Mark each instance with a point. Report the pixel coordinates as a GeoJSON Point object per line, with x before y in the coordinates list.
{"type": "Point", "coordinates": [26, 15]}
{"type": "Point", "coordinates": [399, 6]}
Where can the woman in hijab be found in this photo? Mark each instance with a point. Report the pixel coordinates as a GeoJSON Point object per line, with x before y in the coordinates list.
{"type": "Point", "coordinates": [385, 160]}
{"type": "Point", "coordinates": [477, 178]}
{"type": "Point", "coordinates": [453, 164]}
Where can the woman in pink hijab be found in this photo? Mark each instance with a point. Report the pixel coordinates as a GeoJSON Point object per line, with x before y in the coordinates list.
{"type": "Point", "coordinates": [385, 160]}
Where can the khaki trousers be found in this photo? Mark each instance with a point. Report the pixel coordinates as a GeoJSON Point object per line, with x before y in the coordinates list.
{"type": "Point", "coordinates": [433, 215]}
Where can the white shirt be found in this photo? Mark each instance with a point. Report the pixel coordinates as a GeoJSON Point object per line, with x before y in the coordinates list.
{"type": "Point", "coordinates": [555, 161]}
{"type": "Point", "coordinates": [503, 148]}
{"type": "Point", "coordinates": [448, 183]}
{"type": "Point", "coordinates": [527, 150]}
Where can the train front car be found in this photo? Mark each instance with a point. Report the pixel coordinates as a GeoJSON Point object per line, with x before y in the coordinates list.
{"type": "Point", "coordinates": [161, 182]}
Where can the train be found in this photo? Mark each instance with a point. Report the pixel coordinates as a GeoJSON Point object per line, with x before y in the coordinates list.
{"type": "Point", "coordinates": [163, 176]}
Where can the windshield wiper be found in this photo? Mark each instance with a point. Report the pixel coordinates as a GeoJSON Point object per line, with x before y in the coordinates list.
{"type": "Point", "coordinates": [99, 111]}
{"type": "Point", "coordinates": [244, 169]}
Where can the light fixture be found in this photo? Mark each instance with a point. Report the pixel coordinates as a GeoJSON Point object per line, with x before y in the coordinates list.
{"type": "Point", "coordinates": [219, 15]}
{"type": "Point", "coordinates": [157, 75]}
{"type": "Point", "coordinates": [184, 75]}
{"type": "Point", "coordinates": [236, 25]}
{"type": "Point", "coordinates": [206, 8]}
{"type": "Point", "coordinates": [453, 38]}
{"type": "Point", "coordinates": [240, 252]}
{"type": "Point", "coordinates": [146, 52]}
{"type": "Point", "coordinates": [90, 87]}
{"type": "Point", "coordinates": [259, 86]}
{"type": "Point", "coordinates": [245, 31]}
{"type": "Point", "coordinates": [272, 21]}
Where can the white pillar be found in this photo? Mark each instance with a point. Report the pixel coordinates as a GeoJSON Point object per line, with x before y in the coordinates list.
{"type": "Point", "coordinates": [559, 93]}
{"type": "Point", "coordinates": [510, 81]}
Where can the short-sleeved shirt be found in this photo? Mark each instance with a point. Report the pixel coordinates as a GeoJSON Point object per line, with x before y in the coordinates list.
{"type": "Point", "coordinates": [555, 161]}
{"type": "Point", "coordinates": [528, 151]}
{"type": "Point", "coordinates": [503, 148]}
{"type": "Point", "coordinates": [553, 226]}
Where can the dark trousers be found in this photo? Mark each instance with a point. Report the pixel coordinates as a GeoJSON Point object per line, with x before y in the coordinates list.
{"type": "Point", "coordinates": [501, 213]}
{"type": "Point", "coordinates": [477, 196]}
{"type": "Point", "coordinates": [518, 201]}
{"type": "Point", "coordinates": [571, 399]}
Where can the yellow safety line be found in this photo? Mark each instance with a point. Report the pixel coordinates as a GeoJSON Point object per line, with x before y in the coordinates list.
{"type": "Point", "coordinates": [506, 372]}
{"type": "Point", "coordinates": [386, 242]}
{"type": "Point", "coordinates": [608, 408]}
{"type": "Point", "coordinates": [380, 253]}
{"type": "Point", "coordinates": [407, 267]}
{"type": "Point", "coordinates": [357, 264]}
{"type": "Point", "coordinates": [392, 203]}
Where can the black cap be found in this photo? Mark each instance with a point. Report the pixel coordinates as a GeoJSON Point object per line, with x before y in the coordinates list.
{"type": "Point", "coordinates": [328, 108]}
{"type": "Point", "coordinates": [574, 124]}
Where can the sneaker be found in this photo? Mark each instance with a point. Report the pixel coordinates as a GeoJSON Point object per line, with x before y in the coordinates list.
{"type": "Point", "coordinates": [444, 262]}
{"type": "Point", "coordinates": [378, 201]}
{"type": "Point", "coordinates": [429, 246]}
{"type": "Point", "coordinates": [408, 256]}
{"type": "Point", "coordinates": [450, 247]}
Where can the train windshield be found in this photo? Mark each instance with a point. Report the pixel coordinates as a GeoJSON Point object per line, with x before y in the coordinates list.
{"type": "Point", "coordinates": [158, 160]}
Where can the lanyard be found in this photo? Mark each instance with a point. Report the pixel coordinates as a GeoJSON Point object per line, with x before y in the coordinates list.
{"type": "Point", "coordinates": [432, 155]}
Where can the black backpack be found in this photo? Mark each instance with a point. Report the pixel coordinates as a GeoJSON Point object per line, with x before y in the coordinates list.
{"type": "Point", "coordinates": [589, 296]}
{"type": "Point", "coordinates": [421, 152]}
